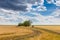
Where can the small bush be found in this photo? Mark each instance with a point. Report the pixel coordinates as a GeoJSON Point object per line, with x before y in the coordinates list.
{"type": "Point", "coordinates": [20, 24]}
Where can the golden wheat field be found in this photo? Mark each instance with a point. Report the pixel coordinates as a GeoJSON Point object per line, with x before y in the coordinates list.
{"type": "Point", "coordinates": [49, 32]}
{"type": "Point", "coordinates": [55, 28]}
{"type": "Point", "coordinates": [11, 32]}
{"type": "Point", "coordinates": [6, 31]}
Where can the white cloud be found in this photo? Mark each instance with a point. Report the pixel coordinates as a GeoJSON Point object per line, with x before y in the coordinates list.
{"type": "Point", "coordinates": [11, 16]}
{"type": "Point", "coordinates": [38, 19]}
{"type": "Point", "coordinates": [56, 13]}
{"type": "Point", "coordinates": [41, 2]}
{"type": "Point", "coordinates": [57, 3]}
{"type": "Point", "coordinates": [38, 3]}
{"type": "Point", "coordinates": [38, 8]}
{"type": "Point", "coordinates": [41, 8]}
{"type": "Point", "coordinates": [53, 19]}
{"type": "Point", "coordinates": [29, 6]}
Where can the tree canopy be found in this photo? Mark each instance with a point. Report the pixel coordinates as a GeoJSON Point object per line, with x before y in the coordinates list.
{"type": "Point", "coordinates": [25, 23]}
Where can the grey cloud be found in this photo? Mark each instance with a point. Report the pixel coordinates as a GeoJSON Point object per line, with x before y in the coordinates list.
{"type": "Point", "coordinates": [15, 4]}
{"type": "Point", "coordinates": [12, 4]}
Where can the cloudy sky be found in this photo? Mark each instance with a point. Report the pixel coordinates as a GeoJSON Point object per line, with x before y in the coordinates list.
{"type": "Point", "coordinates": [40, 12]}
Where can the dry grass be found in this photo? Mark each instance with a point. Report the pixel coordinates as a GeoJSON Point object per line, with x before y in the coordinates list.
{"type": "Point", "coordinates": [48, 33]}
{"type": "Point", "coordinates": [16, 31]}
{"type": "Point", "coordinates": [51, 27]}
{"type": "Point", "coordinates": [6, 31]}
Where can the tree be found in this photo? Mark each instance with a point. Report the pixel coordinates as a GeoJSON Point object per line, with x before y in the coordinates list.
{"type": "Point", "coordinates": [25, 23]}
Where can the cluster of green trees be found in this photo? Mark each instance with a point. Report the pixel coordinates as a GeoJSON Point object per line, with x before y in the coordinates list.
{"type": "Point", "coordinates": [25, 23]}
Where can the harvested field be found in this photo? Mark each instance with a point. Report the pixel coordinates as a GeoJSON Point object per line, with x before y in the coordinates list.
{"type": "Point", "coordinates": [29, 33]}
{"type": "Point", "coordinates": [55, 28]}
{"type": "Point", "coordinates": [13, 31]}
